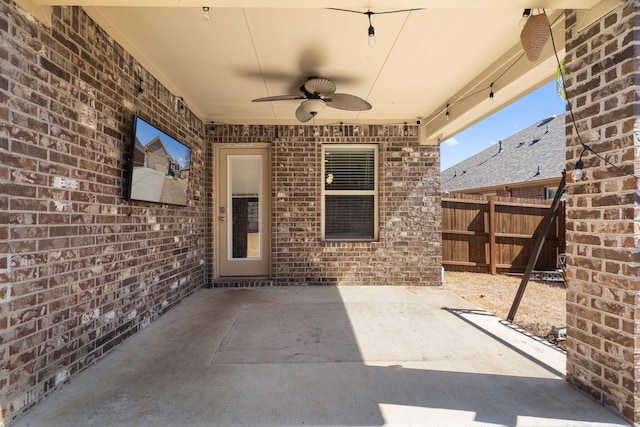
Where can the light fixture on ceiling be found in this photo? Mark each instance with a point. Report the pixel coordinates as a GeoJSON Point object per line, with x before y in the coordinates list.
{"type": "Point", "coordinates": [206, 15]}
{"type": "Point", "coordinates": [313, 106]}
{"type": "Point", "coordinates": [372, 31]}
{"type": "Point", "coordinates": [525, 14]}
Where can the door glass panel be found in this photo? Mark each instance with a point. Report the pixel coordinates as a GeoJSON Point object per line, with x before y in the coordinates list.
{"type": "Point", "coordinates": [244, 175]}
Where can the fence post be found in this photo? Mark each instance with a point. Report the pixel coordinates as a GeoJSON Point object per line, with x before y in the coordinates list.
{"type": "Point", "coordinates": [492, 236]}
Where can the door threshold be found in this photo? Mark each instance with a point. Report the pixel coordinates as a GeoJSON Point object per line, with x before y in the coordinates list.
{"type": "Point", "coordinates": [243, 282]}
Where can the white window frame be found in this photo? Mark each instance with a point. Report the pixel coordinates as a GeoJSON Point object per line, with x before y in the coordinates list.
{"type": "Point", "coordinates": [374, 192]}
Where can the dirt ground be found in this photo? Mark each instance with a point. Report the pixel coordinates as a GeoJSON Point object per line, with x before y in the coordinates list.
{"type": "Point", "coordinates": [542, 306]}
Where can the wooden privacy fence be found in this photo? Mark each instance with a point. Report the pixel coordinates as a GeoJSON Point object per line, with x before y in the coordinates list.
{"type": "Point", "coordinates": [491, 234]}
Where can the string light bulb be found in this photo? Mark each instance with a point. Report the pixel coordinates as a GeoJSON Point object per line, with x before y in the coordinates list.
{"type": "Point", "coordinates": [525, 15]}
{"type": "Point", "coordinates": [206, 15]}
{"type": "Point", "coordinates": [372, 31]}
{"type": "Point", "coordinates": [576, 175]}
{"type": "Point", "coordinates": [446, 115]}
{"type": "Point", "coordinates": [491, 93]}
{"type": "Point", "coordinates": [372, 36]}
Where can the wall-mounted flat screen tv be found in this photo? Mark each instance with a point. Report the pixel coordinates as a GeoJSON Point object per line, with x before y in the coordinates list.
{"type": "Point", "coordinates": [160, 164]}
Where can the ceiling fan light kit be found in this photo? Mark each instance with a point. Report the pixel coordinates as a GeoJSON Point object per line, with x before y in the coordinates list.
{"type": "Point", "coordinates": [309, 109]}
{"type": "Point", "coordinates": [313, 106]}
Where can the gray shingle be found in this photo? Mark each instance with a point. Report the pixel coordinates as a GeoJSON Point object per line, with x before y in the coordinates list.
{"type": "Point", "coordinates": [535, 153]}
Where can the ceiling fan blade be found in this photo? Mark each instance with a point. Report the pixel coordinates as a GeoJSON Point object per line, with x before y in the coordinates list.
{"type": "Point", "coordinates": [320, 86]}
{"type": "Point", "coordinates": [303, 115]}
{"type": "Point", "coordinates": [278, 98]}
{"type": "Point", "coordinates": [344, 101]}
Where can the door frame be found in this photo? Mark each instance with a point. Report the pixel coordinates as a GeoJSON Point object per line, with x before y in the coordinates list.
{"type": "Point", "coordinates": [217, 203]}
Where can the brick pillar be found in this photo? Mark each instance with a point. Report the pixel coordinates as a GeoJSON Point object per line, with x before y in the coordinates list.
{"type": "Point", "coordinates": [603, 219]}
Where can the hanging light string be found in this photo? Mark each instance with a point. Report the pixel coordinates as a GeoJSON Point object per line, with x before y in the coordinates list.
{"type": "Point", "coordinates": [369, 13]}
{"type": "Point", "coordinates": [485, 89]}
{"type": "Point", "coordinates": [585, 147]}
{"type": "Point", "coordinates": [446, 109]}
{"type": "Point", "coordinates": [371, 32]}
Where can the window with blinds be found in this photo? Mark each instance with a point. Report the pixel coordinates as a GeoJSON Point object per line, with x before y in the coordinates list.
{"type": "Point", "coordinates": [350, 192]}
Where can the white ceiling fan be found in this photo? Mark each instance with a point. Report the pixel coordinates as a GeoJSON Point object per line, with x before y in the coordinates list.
{"type": "Point", "coordinates": [317, 93]}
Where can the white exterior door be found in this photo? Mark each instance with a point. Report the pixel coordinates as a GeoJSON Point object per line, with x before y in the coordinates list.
{"type": "Point", "coordinates": [243, 210]}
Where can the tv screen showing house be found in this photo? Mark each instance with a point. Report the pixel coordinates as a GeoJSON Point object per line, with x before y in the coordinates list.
{"type": "Point", "coordinates": [159, 166]}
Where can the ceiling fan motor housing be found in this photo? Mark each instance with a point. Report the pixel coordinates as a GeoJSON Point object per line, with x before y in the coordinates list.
{"type": "Point", "coordinates": [317, 87]}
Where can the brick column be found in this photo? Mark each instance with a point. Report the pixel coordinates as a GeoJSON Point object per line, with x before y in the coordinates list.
{"type": "Point", "coordinates": [603, 301]}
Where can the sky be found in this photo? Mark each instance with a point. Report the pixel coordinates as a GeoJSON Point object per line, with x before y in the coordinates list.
{"type": "Point", "coordinates": [523, 113]}
{"type": "Point", "coordinates": [146, 133]}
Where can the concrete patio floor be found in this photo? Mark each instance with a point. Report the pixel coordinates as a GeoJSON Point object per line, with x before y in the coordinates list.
{"type": "Point", "coordinates": [324, 356]}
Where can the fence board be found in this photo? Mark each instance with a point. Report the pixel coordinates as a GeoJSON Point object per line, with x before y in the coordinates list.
{"type": "Point", "coordinates": [496, 234]}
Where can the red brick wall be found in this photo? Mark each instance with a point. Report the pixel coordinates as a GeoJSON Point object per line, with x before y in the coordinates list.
{"type": "Point", "coordinates": [603, 309]}
{"type": "Point", "coordinates": [409, 248]}
{"type": "Point", "coordinates": [538, 193]}
{"type": "Point", "coordinates": [81, 268]}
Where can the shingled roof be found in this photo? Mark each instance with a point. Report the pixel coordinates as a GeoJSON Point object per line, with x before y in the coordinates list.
{"type": "Point", "coordinates": [537, 153]}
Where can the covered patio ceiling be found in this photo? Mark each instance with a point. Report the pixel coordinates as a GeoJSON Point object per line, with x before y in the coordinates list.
{"type": "Point", "coordinates": [447, 52]}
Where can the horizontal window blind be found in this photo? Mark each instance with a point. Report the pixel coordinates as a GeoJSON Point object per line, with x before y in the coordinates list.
{"type": "Point", "coordinates": [350, 192]}
{"type": "Point", "coordinates": [349, 169]}
{"type": "Point", "coordinates": [349, 217]}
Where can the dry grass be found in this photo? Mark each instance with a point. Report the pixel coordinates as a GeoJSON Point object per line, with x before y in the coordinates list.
{"type": "Point", "coordinates": [541, 308]}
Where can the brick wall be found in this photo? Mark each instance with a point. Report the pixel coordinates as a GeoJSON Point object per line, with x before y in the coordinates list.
{"type": "Point", "coordinates": [603, 307]}
{"type": "Point", "coordinates": [539, 193]}
{"type": "Point", "coordinates": [81, 268]}
{"type": "Point", "coordinates": [409, 248]}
